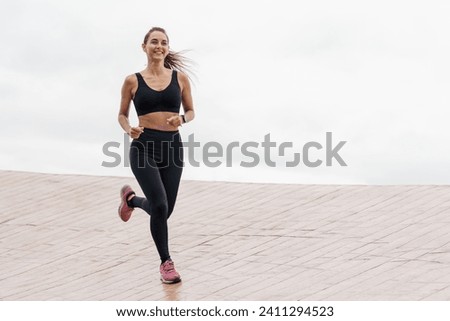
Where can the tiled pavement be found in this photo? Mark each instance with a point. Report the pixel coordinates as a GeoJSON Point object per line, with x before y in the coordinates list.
{"type": "Point", "coordinates": [61, 239]}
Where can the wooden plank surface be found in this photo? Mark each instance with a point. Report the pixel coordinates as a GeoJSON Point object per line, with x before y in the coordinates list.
{"type": "Point", "coordinates": [61, 239]}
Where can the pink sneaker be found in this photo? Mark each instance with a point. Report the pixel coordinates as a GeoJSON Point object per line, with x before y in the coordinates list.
{"type": "Point", "coordinates": [168, 272]}
{"type": "Point", "coordinates": [124, 210]}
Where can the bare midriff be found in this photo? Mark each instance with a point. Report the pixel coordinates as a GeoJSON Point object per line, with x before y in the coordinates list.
{"type": "Point", "coordinates": [157, 120]}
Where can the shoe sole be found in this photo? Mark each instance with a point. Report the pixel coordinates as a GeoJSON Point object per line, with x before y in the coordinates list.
{"type": "Point", "coordinates": [122, 204]}
{"type": "Point", "coordinates": [127, 218]}
{"type": "Point", "coordinates": [170, 282]}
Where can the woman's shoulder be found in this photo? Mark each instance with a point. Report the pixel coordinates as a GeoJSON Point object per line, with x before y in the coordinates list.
{"type": "Point", "coordinates": [131, 79]}
{"type": "Point", "coordinates": [131, 76]}
{"type": "Point", "coordinates": [182, 77]}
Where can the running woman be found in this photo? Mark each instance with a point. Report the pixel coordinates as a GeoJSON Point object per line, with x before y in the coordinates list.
{"type": "Point", "coordinates": [156, 152]}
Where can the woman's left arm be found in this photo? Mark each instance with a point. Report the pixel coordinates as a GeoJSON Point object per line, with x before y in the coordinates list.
{"type": "Point", "coordinates": [186, 101]}
{"type": "Point", "coordinates": [186, 97]}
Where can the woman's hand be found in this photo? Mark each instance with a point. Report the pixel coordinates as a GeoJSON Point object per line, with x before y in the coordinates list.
{"type": "Point", "coordinates": [175, 121]}
{"type": "Point", "coordinates": [135, 132]}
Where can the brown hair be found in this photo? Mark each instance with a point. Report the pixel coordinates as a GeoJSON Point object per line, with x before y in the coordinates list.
{"type": "Point", "coordinates": [173, 60]}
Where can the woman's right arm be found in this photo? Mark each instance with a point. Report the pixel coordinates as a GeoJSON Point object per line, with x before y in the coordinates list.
{"type": "Point", "coordinates": [126, 96]}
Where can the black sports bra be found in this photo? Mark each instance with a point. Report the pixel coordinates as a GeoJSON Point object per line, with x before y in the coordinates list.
{"type": "Point", "coordinates": [147, 100]}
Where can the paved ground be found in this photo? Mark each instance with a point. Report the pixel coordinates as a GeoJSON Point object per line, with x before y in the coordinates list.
{"type": "Point", "coordinates": [61, 239]}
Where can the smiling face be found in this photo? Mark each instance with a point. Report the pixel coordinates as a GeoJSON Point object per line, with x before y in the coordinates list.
{"type": "Point", "coordinates": [156, 46]}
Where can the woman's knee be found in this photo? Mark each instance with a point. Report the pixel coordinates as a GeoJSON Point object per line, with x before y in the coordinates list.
{"type": "Point", "coordinates": [160, 209]}
{"type": "Point", "coordinates": [170, 210]}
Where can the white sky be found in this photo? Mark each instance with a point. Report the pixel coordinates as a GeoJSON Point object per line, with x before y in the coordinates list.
{"type": "Point", "coordinates": [375, 74]}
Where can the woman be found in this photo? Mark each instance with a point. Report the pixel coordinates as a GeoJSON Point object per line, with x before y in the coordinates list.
{"type": "Point", "coordinates": [156, 152]}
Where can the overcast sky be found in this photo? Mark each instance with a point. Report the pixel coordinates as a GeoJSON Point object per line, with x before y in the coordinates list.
{"type": "Point", "coordinates": [374, 74]}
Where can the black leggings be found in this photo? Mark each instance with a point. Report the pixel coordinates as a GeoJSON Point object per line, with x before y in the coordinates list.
{"type": "Point", "coordinates": [156, 159]}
